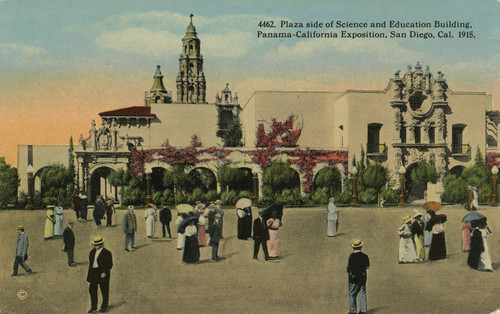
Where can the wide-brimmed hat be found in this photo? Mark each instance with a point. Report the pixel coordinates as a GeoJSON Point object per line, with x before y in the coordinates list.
{"type": "Point", "coordinates": [357, 243]}
{"type": "Point", "coordinates": [20, 227]}
{"type": "Point", "coordinates": [131, 207]}
{"type": "Point", "coordinates": [98, 240]}
{"type": "Point", "coordinates": [217, 202]}
{"type": "Point", "coordinates": [406, 219]}
{"type": "Point", "coordinates": [151, 205]}
{"type": "Point", "coordinates": [218, 215]}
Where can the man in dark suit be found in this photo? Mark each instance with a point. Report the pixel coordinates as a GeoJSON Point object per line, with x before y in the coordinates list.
{"type": "Point", "coordinates": [215, 236]}
{"type": "Point", "coordinates": [100, 264]}
{"type": "Point", "coordinates": [356, 269]}
{"type": "Point", "coordinates": [165, 219]}
{"type": "Point", "coordinates": [260, 236]}
{"type": "Point", "coordinates": [99, 210]}
{"type": "Point", "coordinates": [69, 242]}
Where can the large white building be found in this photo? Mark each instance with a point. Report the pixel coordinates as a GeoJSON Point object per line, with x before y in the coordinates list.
{"type": "Point", "coordinates": [416, 116]}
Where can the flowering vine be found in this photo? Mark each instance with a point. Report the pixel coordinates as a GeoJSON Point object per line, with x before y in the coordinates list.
{"type": "Point", "coordinates": [492, 159]}
{"type": "Point", "coordinates": [172, 155]}
{"type": "Point", "coordinates": [282, 134]}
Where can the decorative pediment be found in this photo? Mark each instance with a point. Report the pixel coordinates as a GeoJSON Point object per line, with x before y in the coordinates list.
{"type": "Point", "coordinates": [421, 85]}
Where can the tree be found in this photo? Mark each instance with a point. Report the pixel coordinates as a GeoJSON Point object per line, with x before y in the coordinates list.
{"type": "Point", "coordinates": [55, 180]}
{"type": "Point", "coordinates": [121, 178]}
{"type": "Point", "coordinates": [235, 179]}
{"type": "Point", "coordinates": [279, 177]}
{"type": "Point", "coordinates": [329, 178]}
{"type": "Point", "coordinates": [232, 136]}
{"type": "Point", "coordinates": [375, 177]}
{"type": "Point", "coordinates": [71, 167]}
{"type": "Point", "coordinates": [425, 172]}
{"type": "Point", "coordinates": [9, 182]}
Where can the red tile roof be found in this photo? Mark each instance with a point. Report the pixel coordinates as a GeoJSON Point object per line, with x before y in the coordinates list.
{"type": "Point", "coordinates": [136, 111]}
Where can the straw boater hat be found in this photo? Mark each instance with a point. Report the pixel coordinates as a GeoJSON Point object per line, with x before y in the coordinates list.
{"type": "Point", "coordinates": [20, 227]}
{"type": "Point", "coordinates": [406, 218]}
{"type": "Point", "coordinates": [357, 243]}
{"type": "Point", "coordinates": [98, 240]}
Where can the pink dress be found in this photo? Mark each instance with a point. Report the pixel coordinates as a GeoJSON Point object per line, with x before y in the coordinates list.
{"type": "Point", "coordinates": [466, 228]}
{"type": "Point", "coordinates": [274, 242]}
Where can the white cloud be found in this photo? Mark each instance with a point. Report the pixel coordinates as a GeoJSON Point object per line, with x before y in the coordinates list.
{"type": "Point", "coordinates": [158, 32]}
{"type": "Point", "coordinates": [139, 41]}
{"type": "Point", "coordinates": [10, 48]}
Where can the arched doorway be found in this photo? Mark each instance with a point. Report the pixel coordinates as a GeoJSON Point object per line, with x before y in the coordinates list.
{"type": "Point", "coordinates": [157, 182]}
{"type": "Point", "coordinates": [456, 171]}
{"type": "Point", "coordinates": [202, 178]}
{"type": "Point", "coordinates": [414, 190]}
{"type": "Point", "coordinates": [330, 178]}
{"type": "Point", "coordinates": [100, 185]}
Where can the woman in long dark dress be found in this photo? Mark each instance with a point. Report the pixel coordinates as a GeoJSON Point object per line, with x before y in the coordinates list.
{"type": "Point", "coordinates": [438, 245]}
{"type": "Point", "coordinates": [476, 248]}
{"type": "Point", "coordinates": [191, 247]}
{"type": "Point", "coordinates": [244, 223]}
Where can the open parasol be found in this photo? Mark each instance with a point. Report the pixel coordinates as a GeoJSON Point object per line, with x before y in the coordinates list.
{"type": "Point", "coordinates": [243, 203]}
{"type": "Point", "coordinates": [473, 216]}
{"type": "Point", "coordinates": [184, 223]}
{"type": "Point", "coordinates": [435, 206]}
{"type": "Point", "coordinates": [267, 212]}
{"type": "Point", "coordinates": [436, 219]}
{"type": "Point", "coordinates": [184, 208]}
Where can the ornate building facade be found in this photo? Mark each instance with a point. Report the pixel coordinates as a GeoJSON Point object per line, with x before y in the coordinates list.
{"type": "Point", "coordinates": [417, 116]}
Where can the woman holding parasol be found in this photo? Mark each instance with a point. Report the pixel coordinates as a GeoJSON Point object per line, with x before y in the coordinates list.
{"type": "Point", "coordinates": [438, 245]}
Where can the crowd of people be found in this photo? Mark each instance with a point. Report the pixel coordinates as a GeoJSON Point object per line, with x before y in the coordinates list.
{"type": "Point", "coordinates": [422, 237]}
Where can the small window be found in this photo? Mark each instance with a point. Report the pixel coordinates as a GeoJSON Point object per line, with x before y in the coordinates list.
{"type": "Point", "coordinates": [457, 138]}
{"type": "Point", "coordinates": [402, 134]}
{"type": "Point", "coordinates": [417, 134]}
{"type": "Point", "coordinates": [432, 135]}
{"type": "Point", "coordinates": [373, 137]}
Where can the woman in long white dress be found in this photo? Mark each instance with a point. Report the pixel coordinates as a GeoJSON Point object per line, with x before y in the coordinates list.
{"type": "Point", "coordinates": [274, 242]}
{"type": "Point", "coordinates": [58, 226]}
{"type": "Point", "coordinates": [180, 236]}
{"type": "Point", "coordinates": [332, 218]}
{"type": "Point", "coordinates": [151, 217]}
{"type": "Point", "coordinates": [407, 252]}
{"type": "Point", "coordinates": [485, 259]}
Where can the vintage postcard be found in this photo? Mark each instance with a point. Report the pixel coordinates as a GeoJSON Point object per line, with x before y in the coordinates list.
{"type": "Point", "coordinates": [249, 156]}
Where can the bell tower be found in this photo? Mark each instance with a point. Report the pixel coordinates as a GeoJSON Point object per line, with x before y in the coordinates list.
{"type": "Point", "coordinates": [191, 85]}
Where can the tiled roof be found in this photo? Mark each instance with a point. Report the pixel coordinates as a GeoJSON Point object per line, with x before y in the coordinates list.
{"type": "Point", "coordinates": [136, 111]}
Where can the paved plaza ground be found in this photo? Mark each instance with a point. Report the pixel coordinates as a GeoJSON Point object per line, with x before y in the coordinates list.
{"type": "Point", "coordinates": [310, 277]}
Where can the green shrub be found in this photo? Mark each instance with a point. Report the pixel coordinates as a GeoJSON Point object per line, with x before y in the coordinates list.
{"type": "Point", "coordinates": [368, 196]}
{"type": "Point", "coordinates": [49, 200]}
{"type": "Point", "coordinates": [391, 196]}
{"type": "Point", "coordinates": [22, 199]}
{"type": "Point", "coordinates": [229, 198]}
{"type": "Point", "coordinates": [344, 198]}
{"type": "Point", "coordinates": [245, 194]}
{"type": "Point", "coordinates": [212, 195]}
{"type": "Point", "coordinates": [290, 197]}
{"type": "Point", "coordinates": [484, 194]}
{"type": "Point", "coordinates": [169, 197]}
{"type": "Point", "coordinates": [455, 189]}
{"type": "Point", "coordinates": [321, 195]}
{"type": "Point", "coordinates": [157, 197]}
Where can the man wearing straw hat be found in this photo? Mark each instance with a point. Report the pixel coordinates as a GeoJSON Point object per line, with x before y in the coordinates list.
{"type": "Point", "coordinates": [100, 264]}
{"type": "Point", "coordinates": [21, 251]}
{"type": "Point", "coordinates": [356, 268]}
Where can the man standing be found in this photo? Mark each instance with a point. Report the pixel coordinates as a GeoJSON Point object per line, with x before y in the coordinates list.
{"type": "Point", "coordinates": [83, 205]}
{"type": "Point", "coordinates": [76, 205]}
{"type": "Point", "coordinates": [130, 228]}
{"type": "Point", "coordinates": [218, 210]}
{"type": "Point", "coordinates": [21, 251]}
{"type": "Point", "coordinates": [100, 264]}
{"type": "Point", "coordinates": [69, 242]}
{"type": "Point", "coordinates": [165, 219]}
{"type": "Point", "coordinates": [260, 236]}
{"type": "Point", "coordinates": [215, 236]}
{"type": "Point", "coordinates": [99, 210]}
{"type": "Point", "coordinates": [356, 268]}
